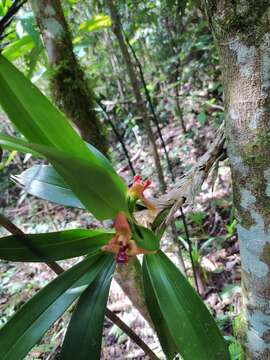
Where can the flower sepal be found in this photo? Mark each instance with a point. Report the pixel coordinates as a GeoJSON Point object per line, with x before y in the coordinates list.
{"type": "Point", "coordinates": [136, 192]}
{"type": "Point", "coordinates": [122, 244]}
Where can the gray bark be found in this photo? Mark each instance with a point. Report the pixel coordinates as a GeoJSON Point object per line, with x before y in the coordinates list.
{"type": "Point", "coordinates": [242, 32]}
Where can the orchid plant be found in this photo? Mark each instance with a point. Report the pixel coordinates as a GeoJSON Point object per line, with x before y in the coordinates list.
{"type": "Point", "coordinates": [79, 175]}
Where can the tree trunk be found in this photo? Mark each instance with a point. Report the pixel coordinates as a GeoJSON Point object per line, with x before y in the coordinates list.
{"type": "Point", "coordinates": [69, 86]}
{"type": "Point", "coordinates": [117, 29]}
{"type": "Point", "coordinates": [242, 32]}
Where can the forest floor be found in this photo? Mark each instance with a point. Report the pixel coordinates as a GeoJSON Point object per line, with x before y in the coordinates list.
{"type": "Point", "coordinates": [212, 230]}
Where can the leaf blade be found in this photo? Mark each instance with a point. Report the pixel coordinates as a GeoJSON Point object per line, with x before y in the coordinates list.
{"type": "Point", "coordinates": [167, 343]}
{"type": "Point", "coordinates": [53, 246]}
{"type": "Point", "coordinates": [192, 327]}
{"type": "Point", "coordinates": [28, 325]}
{"type": "Point", "coordinates": [86, 325]}
{"type": "Point", "coordinates": [98, 191]}
{"type": "Point", "coordinates": [42, 124]}
{"type": "Point", "coordinates": [45, 183]}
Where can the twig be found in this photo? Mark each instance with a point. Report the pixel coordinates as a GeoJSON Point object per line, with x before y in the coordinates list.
{"type": "Point", "coordinates": [189, 185]}
{"type": "Point", "coordinates": [14, 230]}
{"type": "Point", "coordinates": [116, 320]}
{"type": "Point", "coordinates": [118, 136]}
{"type": "Point", "coordinates": [8, 17]}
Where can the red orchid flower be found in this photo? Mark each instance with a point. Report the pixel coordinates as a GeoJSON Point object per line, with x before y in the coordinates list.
{"type": "Point", "coordinates": [137, 191]}
{"type": "Point", "coordinates": [121, 244]}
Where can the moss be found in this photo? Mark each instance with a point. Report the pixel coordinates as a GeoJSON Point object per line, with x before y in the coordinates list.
{"type": "Point", "coordinates": [265, 257]}
{"type": "Point", "coordinates": [72, 94]}
{"type": "Point", "coordinates": [69, 88]}
{"type": "Point", "coordinates": [246, 219]}
{"type": "Point", "coordinates": [240, 327]}
{"type": "Point", "coordinates": [244, 20]}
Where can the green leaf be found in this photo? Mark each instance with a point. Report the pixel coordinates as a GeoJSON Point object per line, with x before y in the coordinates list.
{"type": "Point", "coordinates": [18, 48]}
{"type": "Point", "coordinates": [97, 22]}
{"type": "Point", "coordinates": [95, 189]}
{"type": "Point", "coordinates": [34, 318]}
{"type": "Point", "coordinates": [34, 115]}
{"type": "Point", "coordinates": [44, 182]}
{"type": "Point", "coordinates": [42, 124]}
{"type": "Point", "coordinates": [191, 326]}
{"type": "Point", "coordinates": [53, 246]}
{"type": "Point", "coordinates": [86, 325]}
{"type": "Point", "coordinates": [165, 338]}
{"type": "Point", "coordinates": [201, 118]}
{"type": "Point", "coordinates": [145, 238]}
{"type": "Point", "coordinates": [11, 143]}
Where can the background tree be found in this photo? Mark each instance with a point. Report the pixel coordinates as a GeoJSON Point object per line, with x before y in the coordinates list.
{"type": "Point", "coordinates": [70, 88]}
{"type": "Point", "coordinates": [133, 77]}
{"type": "Point", "coordinates": [242, 33]}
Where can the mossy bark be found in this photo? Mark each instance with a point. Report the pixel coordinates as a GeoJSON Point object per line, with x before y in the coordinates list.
{"type": "Point", "coordinates": [70, 89]}
{"type": "Point", "coordinates": [242, 33]}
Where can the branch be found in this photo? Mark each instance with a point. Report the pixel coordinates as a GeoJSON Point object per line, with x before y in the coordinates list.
{"type": "Point", "coordinates": [118, 136]}
{"type": "Point", "coordinates": [117, 321]}
{"type": "Point", "coordinates": [187, 188]}
{"type": "Point", "coordinates": [8, 17]}
{"type": "Point", "coordinates": [14, 230]}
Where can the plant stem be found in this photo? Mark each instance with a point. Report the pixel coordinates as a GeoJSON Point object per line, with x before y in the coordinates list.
{"type": "Point", "coordinates": [14, 230]}
{"type": "Point", "coordinates": [189, 248]}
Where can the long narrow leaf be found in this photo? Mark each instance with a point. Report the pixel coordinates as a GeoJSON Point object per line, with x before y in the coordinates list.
{"type": "Point", "coordinates": [41, 123]}
{"type": "Point", "coordinates": [85, 328]}
{"type": "Point", "coordinates": [18, 48]}
{"type": "Point", "coordinates": [97, 191]}
{"type": "Point", "coordinates": [44, 182]}
{"type": "Point", "coordinates": [191, 326]}
{"type": "Point", "coordinates": [164, 335]}
{"type": "Point", "coordinates": [29, 324]}
{"type": "Point", "coordinates": [33, 114]}
{"type": "Point", "coordinates": [53, 246]}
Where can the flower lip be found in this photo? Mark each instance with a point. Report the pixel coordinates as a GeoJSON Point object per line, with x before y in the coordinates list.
{"type": "Point", "coordinates": [121, 243]}
{"type": "Point", "coordinates": [122, 257]}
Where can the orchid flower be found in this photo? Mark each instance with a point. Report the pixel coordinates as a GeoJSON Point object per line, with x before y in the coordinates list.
{"type": "Point", "coordinates": [122, 244]}
{"type": "Point", "coordinates": [136, 192]}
